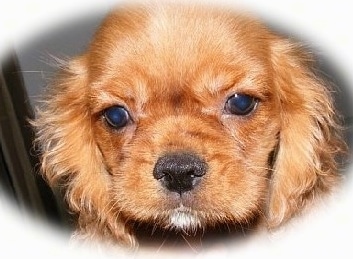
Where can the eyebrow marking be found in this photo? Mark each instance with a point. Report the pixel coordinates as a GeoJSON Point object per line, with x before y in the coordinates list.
{"type": "Point", "coordinates": [132, 96]}
{"type": "Point", "coordinates": [105, 97]}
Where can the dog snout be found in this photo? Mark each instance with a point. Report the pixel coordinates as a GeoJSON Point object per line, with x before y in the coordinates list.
{"type": "Point", "coordinates": [179, 172]}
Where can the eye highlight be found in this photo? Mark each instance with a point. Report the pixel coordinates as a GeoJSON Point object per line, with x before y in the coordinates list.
{"type": "Point", "coordinates": [241, 104]}
{"type": "Point", "coordinates": [116, 117]}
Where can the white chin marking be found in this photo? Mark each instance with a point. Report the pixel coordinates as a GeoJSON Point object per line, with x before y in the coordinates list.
{"type": "Point", "coordinates": [184, 219]}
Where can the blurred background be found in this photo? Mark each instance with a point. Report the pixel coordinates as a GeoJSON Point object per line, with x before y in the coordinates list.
{"type": "Point", "coordinates": [24, 73]}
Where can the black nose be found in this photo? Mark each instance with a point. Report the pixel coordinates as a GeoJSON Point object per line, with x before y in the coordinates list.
{"type": "Point", "coordinates": [179, 172]}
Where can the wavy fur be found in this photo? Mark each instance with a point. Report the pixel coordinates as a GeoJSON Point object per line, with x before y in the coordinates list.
{"type": "Point", "coordinates": [100, 170]}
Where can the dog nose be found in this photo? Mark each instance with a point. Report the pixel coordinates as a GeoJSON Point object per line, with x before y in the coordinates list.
{"type": "Point", "coordinates": [179, 172]}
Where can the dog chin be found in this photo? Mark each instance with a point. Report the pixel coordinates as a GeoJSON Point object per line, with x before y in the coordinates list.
{"type": "Point", "coordinates": [185, 220]}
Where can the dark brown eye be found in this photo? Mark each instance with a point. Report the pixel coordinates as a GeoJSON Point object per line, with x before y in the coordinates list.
{"type": "Point", "coordinates": [240, 104]}
{"type": "Point", "coordinates": [116, 116]}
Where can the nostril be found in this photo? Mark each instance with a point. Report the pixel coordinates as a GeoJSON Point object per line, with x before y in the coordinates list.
{"type": "Point", "coordinates": [159, 174]}
{"type": "Point", "coordinates": [179, 172]}
{"type": "Point", "coordinates": [166, 176]}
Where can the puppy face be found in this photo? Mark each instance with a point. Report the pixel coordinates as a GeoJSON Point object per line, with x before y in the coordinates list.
{"type": "Point", "coordinates": [185, 123]}
{"type": "Point", "coordinates": [185, 118]}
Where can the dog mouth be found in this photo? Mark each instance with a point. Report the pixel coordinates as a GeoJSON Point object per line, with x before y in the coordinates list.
{"type": "Point", "coordinates": [182, 213]}
{"type": "Point", "coordinates": [180, 176]}
{"type": "Point", "coordinates": [184, 219]}
{"type": "Point", "coordinates": [189, 225]}
{"type": "Point", "coordinates": [187, 228]}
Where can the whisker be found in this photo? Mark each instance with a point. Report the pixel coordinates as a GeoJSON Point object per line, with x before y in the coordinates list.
{"type": "Point", "coordinates": [161, 245]}
{"type": "Point", "coordinates": [189, 244]}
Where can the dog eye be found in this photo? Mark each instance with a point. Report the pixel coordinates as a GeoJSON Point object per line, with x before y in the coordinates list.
{"type": "Point", "coordinates": [240, 104]}
{"type": "Point", "coordinates": [116, 116]}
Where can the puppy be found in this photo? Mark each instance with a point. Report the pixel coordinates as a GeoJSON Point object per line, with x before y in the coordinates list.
{"type": "Point", "coordinates": [185, 119]}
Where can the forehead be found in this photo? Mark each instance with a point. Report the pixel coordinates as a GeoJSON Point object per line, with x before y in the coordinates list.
{"type": "Point", "coordinates": [175, 46]}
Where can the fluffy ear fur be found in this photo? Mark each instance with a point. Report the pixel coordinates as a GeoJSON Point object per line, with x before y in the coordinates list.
{"type": "Point", "coordinates": [69, 154]}
{"type": "Point", "coordinates": [308, 140]}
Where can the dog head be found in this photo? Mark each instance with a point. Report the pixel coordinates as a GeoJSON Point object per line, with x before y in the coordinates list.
{"type": "Point", "coordinates": [185, 118]}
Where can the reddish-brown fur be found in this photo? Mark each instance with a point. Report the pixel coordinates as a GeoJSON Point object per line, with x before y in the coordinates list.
{"type": "Point", "coordinates": [173, 68]}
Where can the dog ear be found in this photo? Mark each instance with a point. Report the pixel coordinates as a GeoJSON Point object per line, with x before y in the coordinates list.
{"type": "Point", "coordinates": [309, 139]}
{"type": "Point", "coordinates": [69, 154]}
{"type": "Point", "coordinates": [64, 138]}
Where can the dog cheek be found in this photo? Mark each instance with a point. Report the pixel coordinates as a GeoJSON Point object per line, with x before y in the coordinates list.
{"type": "Point", "coordinates": [235, 188]}
{"type": "Point", "coordinates": [135, 191]}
